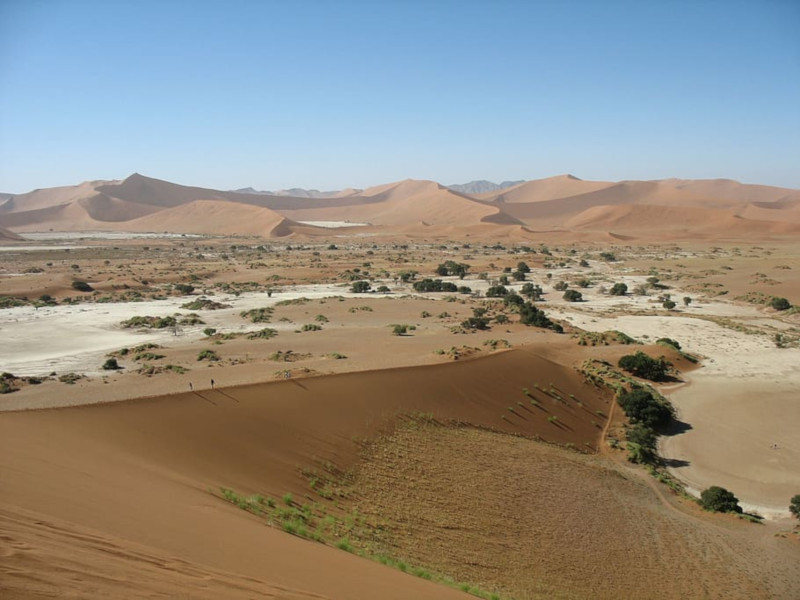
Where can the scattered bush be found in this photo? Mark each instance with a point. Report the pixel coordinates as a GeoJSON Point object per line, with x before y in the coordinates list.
{"type": "Point", "coordinates": [780, 304]}
{"type": "Point", "coordinates": [360, 287]}
{"type": "Point", "coordinates": [111, 365]}
{"type": "Point", "coordinates": [496, 291]}
{"type": "Point", "coordinates": [208, 355]}
{"type": "Point", "coordinates": [668, 342]}
{"type": "Point", "coordinates": [148, 322]}
{"type": "Point", "coordinates": [618, 289]}
{"type": "Point", "coordinates": [82, 286]}
{"type": "Point", "coordinates": [257, 315]}
{"type": "Point", "coordinates": [794, 506]}
{"type": "Point", "coordinates": [262, 334]}
{"type": "Point", "coordinates": [573, 296]}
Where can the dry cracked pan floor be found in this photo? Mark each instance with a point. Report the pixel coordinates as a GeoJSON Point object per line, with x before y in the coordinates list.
{"type": "Point", "coordinates": [527, 520]}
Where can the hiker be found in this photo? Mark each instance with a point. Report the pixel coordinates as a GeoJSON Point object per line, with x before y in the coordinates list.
{"type": "Point", "coordinates": [212, 384]}
{"type": "Point", "coordinates": [191, 389]}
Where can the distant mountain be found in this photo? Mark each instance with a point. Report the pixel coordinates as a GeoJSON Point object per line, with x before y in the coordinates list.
{"type": "Point", "coordinates": [482, 186]}
{"type": "Point", "coordinates": [300, 193]}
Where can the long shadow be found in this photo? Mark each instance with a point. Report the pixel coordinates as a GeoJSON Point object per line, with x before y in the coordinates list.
{"type": "Point", "coordinates": [227, 395]}
{"type": "Point", "coordinates": [209, 400]}
{"type": "Point", "coordinates": [676, 427]}
{"type": "Point", "coordinates": [294, 381]}
{"type": "Point", "coordinates": [675, 462]}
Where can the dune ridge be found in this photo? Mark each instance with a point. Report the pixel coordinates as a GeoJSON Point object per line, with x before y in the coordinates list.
{"type": "Point", "coordinates": [565, 205]}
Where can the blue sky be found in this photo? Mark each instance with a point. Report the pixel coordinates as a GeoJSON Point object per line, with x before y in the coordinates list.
{"type": "Point", "coordinates": [336, 94]}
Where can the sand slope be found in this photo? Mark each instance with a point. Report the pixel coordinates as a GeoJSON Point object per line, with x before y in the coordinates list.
{"type": "Point", "coordinates": [127, 484]}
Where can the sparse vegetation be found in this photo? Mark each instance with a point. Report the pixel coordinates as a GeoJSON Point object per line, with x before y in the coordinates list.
{"type": "Point", "coordinates": [208, 355]}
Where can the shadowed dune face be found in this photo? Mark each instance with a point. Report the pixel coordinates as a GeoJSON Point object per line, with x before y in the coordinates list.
{"type": "Point", "coordinates": [566, 205]}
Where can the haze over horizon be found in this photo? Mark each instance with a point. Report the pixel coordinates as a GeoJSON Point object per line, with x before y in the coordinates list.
{"type": "Point", "coordinates": [325, 96]}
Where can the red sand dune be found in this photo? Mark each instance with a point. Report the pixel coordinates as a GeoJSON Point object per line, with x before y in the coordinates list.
{"type": "Point", "coordinates": [115, 499]}
{"type": "Point", "coordinates": [560, 205]}
{"type": "Point", "coordinates": [214, 217]}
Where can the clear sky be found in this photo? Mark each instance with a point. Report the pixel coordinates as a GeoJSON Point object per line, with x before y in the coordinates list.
{"type": "Point", "coordinates": [331, 94]}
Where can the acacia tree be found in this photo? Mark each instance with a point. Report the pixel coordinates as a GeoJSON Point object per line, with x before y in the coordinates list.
{"type": "Point", "coordinates": [718, 499]}
{"type": "Point", "coordinates": [794, 506]}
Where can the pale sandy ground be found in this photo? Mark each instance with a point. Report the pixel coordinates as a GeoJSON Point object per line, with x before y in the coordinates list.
{"type": "Point", "coordinates": [745, 399]}
{"type": "Point", "coordinates": [77, 338]}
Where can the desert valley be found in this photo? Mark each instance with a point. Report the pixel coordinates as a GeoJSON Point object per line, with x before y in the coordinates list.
{"type": "Point", "coordinates": [406, 391]}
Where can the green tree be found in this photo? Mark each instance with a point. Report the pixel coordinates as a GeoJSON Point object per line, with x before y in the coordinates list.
{"type": "Point", "coordinates": [641, 406]}
{"type": "Point", "coordinates": [573, 296]}
{"type": "Point", "coordinates": [794, 506]}
{"type": "Point", "coordinates": [523, 267]}
{"type": "Point", "coordinates": [111, 365]}
{"type": "Point", "coordinates": [641, 365]}
{"type": "Point", "coordinates": [618, 289]}
{"type": "Point", "coordinates": [780, 303]}
{"type": "Point", "coordinates": [82, 286]}
{"type": "Point", "coordinates": [718, 499]}
{"type": "Point", "coordinates": [360, 287]}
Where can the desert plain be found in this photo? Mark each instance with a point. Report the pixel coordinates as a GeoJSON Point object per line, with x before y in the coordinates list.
{"type": "Point", "coordinates": [229, 394]}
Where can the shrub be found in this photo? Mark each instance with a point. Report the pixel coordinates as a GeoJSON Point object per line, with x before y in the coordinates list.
{"type": "Point", "coordinates": [641, 444]}
{"type": "Point", "coordinates": [401, 329]}
{"type": "Point", "coordinates": [532, 291]}
{"type": "Point", "coordinates": [360, 287]}
{"type": "Point", "coordinates": [668, 342]}
{"type": "Point", "coordinates": [82, 286]}
{"type": "Point", "coordinates": [618, 289]}
{"type": "Point", "coordinates": [209, 355]}
{"type": "Point", "coordinates": [794, 506]}
{"type": "Point", "coordinates": [209, 331]}
{"type": "Point", "coordinates": [148, 322]}
{"type": "Point", "coordinates": [310, 327]}
{"type": "Point", "coordinates": [111, 365]}
{"type": "Point", "coordinates": [523, 267]}
{"type": "Point", "coordinates": [780, 303]}
{"type": "Point", "coordinates": [718, 499]}
{"type": "Point", "coordinates": [643, 366]}
{"type": "Point", "coordinates": [561, 286]}
{"type": "Point", "coordinates": [262, 334]}
{"type": "Point", "coordinates": [641, 406]}
{"type": "Point", "coordinates": [668, 304]}
{"type": "Point", "coordinates": [257, 315]}
{"type": "Point", "coordinates": [481, 323]}
{"type": "Point", "coordinates": [496, 291]}
{"type": "Point", "coordinates": [184, 288]}
{"type": "Point", "coordinates": [383, 290]}
{"type": "Point", "coordinates": [573, 296]}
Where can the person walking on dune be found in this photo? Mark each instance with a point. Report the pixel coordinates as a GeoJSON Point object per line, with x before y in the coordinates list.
{"type": "Point", "coordinates": [191, 388]}
{"type": "Point", "coordinates": [212, 384]}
